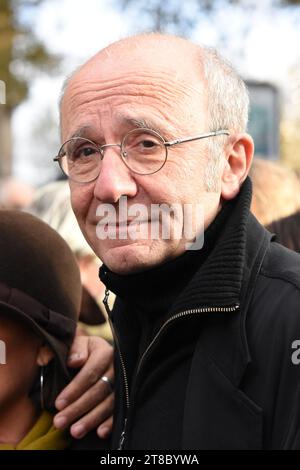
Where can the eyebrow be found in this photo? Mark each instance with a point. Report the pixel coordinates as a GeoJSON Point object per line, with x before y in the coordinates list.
{"type": "Point", "coordinates": [81, 131]}
{"type": "Point", "coordinates": [138, 123]}
{"type": "Point", "coordinates": [145, 123]}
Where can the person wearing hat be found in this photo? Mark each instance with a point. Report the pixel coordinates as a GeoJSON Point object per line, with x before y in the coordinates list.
{"type": "Point", "coordinates": [51, 203]}
{"type": "Point", "coordinates": [40, 297]}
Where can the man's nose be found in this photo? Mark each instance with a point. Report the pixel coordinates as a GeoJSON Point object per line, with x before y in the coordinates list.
{"type": "Point", "coordinates": [115, 179]}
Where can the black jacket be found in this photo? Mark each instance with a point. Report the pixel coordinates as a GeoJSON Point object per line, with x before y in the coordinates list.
{"type": "Point", "coordinates": [242, 308]}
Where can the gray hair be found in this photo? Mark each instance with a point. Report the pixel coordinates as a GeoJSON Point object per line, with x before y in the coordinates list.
{"type": "Point", "coordinates": [52, 204]}
{"type": "Point", "coordinates": [228, 98]}
{"type": "Point", "coordinates": [228, 106]}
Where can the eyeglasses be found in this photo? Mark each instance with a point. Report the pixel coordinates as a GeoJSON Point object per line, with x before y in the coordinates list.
{"type": "Point", "coordinates": [143, 151]}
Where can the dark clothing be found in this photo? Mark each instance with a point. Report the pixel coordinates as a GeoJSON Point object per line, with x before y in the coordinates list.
{"type": "Point", "coordinates": [90, 442]}
{"type": "Point", "coordinates": [151, 295]}
{"type": "Point", "coordinates": [217, 372]}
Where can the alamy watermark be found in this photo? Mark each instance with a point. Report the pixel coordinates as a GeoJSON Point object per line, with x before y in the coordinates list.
{"type": "Point", "coordinates": [2, 92]}
{"type": "Point", "coordinates": [296, 354]}
{"type": "Point", "coordinates": [159, 221]}
{"type": "Point", "coordinates": [2, 353]}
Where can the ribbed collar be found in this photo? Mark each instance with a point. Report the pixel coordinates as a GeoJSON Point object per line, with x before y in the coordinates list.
{"type": "Point", "coordinates": [211, 276]}
{"type": "Point", "coordinates": [218, 282]}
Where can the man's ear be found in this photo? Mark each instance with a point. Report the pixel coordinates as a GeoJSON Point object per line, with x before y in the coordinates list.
{"type": "Point", "coordinates": [238, 157]}
{"type": "Point", "coordinates": [45, 355]}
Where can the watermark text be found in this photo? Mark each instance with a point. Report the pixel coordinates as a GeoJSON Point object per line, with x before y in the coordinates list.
{"type": "Point", "coordinates": [2, 92]}
{"type": "Point", "coordinates": [2, 353]}
{"type": "Point", "coordinates": [296, 354]}
{"type": "Point", "coordinates": [157, 221]}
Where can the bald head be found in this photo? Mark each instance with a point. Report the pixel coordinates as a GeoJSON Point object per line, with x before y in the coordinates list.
{"type": "Point", "coordinates": [225, 96]}
{"type": "Point", "coordinates": [158, 46]}
{"type": "Point", "coordinates": [154, 69]}
{"type": "Point", "coordinates": [154, 50]}
{"type": "Point", "coordinates": [149, 56]}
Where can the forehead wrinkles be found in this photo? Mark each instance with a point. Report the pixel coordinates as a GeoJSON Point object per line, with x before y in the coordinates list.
{"type": "Point", "coordinates": [161, 87]}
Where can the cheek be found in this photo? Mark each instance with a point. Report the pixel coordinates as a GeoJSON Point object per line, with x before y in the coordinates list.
{"type": "Point", "coordinates": [175, 184]}
{"type": "Point", "coordinates": [19, 372]}
{"type": "Point", "coordinates": [183, 182]}
{"type": "Point", "coordinates": [81, 197]}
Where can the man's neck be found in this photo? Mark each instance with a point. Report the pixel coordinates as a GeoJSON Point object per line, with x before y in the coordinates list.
{"type": "Point", "coordinates": [16, 420]}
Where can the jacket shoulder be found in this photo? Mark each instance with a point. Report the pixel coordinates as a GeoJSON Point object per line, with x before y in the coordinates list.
{"type": "Point", "coordinates": [282, 264]}
{"type": "Point", "coordinates": [275, 304]}
{"type": "Point", "coordinates": [273, 335]}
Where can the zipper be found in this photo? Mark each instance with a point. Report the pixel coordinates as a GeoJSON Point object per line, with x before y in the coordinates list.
{"type": "Point", "coordinates": [185, 313]}
{"type": "Point", "coordinates": [105, 301]}
{"type": "Point", "coordinates": [122, 437]}
{"type": "Point", "coordinates": [116, 339]}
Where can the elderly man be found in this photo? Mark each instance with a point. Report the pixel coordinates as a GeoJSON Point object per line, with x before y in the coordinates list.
{"type": "Point", "coordinates": [204, 336]}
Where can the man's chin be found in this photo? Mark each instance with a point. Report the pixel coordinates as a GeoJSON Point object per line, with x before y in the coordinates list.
{"type": "Point", "coordinates": [129, 258]}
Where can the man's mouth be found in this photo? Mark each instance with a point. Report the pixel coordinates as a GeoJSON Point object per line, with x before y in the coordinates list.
{"type": "Point", "coordinates": [120, 224]}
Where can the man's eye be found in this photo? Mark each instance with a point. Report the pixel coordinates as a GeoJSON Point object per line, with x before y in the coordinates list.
{"type": "Point", "coordinates": [148, 144]}
{"type": "Point", "coordinates": [83, 152]}
{"type": "Point", "coordinates": [88, 151]}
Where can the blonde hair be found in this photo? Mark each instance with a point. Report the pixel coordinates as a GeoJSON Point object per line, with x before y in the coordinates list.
{"type": "Point", "coordinates": [52, 204]}
{"type": "Point", "coordinates": [276, 191]}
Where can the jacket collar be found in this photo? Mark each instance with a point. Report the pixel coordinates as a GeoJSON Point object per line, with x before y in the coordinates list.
{"type": "Point", "coordinates": [218, 282]}
{"type": "Point", "coordinates": [227, 279]}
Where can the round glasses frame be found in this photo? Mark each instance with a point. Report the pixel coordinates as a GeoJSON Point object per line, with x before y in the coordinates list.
{"type": "Point", "coordinates": [101, 149]}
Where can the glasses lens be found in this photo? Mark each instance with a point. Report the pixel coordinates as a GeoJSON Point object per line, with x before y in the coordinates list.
{"type": "Point", "coordinates": [143, 151]}
{"type": "Point", "coordinates": [80, 160]}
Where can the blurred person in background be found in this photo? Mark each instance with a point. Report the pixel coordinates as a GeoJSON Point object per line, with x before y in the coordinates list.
{"type": "Point", "coordinates": [276, 200]}
{"type": "Point", "coordinates": [15, 194]}
{"type": "Point", "coordinates": [51, 203]}
{"type": "Point", "coordinates": [287, 231]}
{"type": "Point", "coordinates": [40, 297]}
{"type": "Point", "coordinates": [276, 190]}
